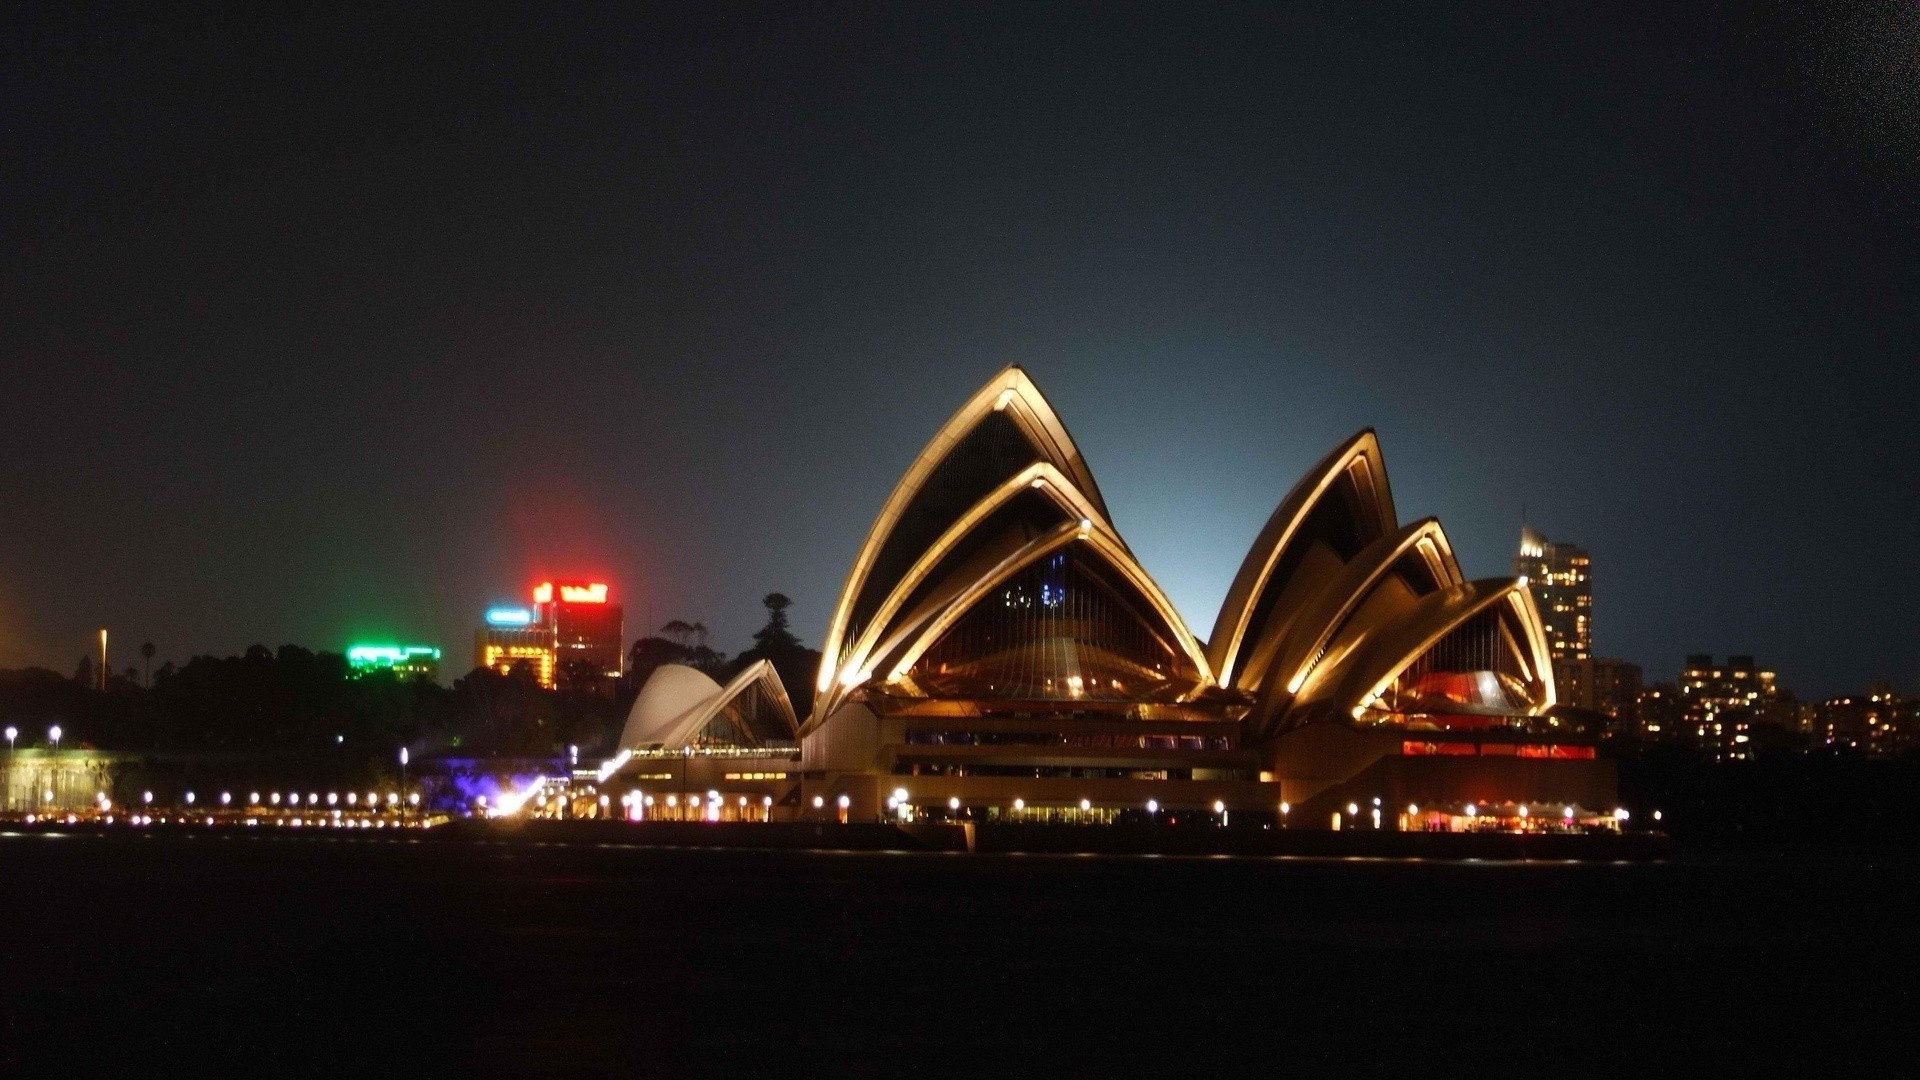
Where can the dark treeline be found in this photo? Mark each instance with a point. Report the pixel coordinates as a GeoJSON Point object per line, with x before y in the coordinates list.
{"type": "Point", "coordinates": [686, 643]}
{"type": "Point", "coordinates": [294, 702]}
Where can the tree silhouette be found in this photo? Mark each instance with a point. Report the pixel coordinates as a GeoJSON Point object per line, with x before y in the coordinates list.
{"type": "Point", "coordinates": [83, 674]}
{"type": "Point", "coordinates": [776, 643]}
{"type": "Point", "coordinates": [678, 630]}
{"type": "Point", "coordinates": [776, 635]}
{"type": "Point", "coordinates": [146, 662]}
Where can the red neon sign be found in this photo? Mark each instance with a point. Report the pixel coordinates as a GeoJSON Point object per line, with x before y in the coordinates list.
{"type": "Point", "coordinates": [595, 593]}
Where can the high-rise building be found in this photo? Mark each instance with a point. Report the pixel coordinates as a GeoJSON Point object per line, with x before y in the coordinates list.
{"type": "Point", "coordinates": [1560, 578]}
{"type": "Point", "coordinates": [1603, 684]}
{"type": "Point", "coordinates": [1720, 702]}
{"type": "Point", "coordinates": [512, 637]}
{"type": "Point", "coordinates": [570, 636]}
{"type": "Point", "coordinates": [1562, 583]}
{"type": "Point", "coordinates": [588, 632]}
{"type": "Point", "coordinates": [1660, 705]}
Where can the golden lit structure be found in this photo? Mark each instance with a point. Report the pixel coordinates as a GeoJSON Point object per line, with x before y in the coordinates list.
{"type": "Point", "coordinates": [998, 653]}
{"type": "Point", "coordinates": [501, 649]}
{"type": "Point", "coordinates": [1001, 430]}
{"type": "Point", "coordinates": [1339, 507]}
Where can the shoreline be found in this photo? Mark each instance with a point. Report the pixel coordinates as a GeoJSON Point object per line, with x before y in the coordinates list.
{"type": "Point", "coordinates": [959, 839]}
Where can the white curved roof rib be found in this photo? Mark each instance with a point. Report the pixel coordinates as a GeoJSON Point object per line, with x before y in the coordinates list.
{"type": "Point", "coordinates": [1287, 565]}
{"type": "Point", "coordinates": [678, 702]}
{"type": "Point", "coordinates": [1009, 395]}
{"type": "Point", "coordinates": [1376, 656]}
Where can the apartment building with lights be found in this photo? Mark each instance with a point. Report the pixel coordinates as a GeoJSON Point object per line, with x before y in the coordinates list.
{"type": "Point", "coordinates": [1719, 703]}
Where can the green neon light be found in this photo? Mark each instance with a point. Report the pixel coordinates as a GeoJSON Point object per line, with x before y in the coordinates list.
{"type": "Point", "coordinates": [389, 655]}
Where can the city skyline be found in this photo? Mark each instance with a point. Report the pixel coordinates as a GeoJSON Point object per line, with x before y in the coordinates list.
{"type": "Point", "coordinates": [280, 373]}
{"type": "Point", "coordinates": [519, 522]}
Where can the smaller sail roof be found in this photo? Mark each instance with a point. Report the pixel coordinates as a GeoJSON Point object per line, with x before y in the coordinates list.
{"type": "Point", "coordinates": [1380, 585]}
{"type": "Point", "coordinates": [1378, 657]}
{"type": "Point", "coordinates": [678, 703]}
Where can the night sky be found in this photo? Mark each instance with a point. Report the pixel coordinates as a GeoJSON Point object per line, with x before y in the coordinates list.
{"type": "Point", "coordinates": [342, 324]}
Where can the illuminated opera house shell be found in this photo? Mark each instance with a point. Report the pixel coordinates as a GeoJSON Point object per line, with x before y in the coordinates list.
{"type": "Point", "coordinates": [996, 637]}
{"type": "Point", "coordinates": [681, 707]}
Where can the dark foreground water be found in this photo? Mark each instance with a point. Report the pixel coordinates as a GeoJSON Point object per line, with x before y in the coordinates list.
{"type": "Point", "coordinates": [266, 957]}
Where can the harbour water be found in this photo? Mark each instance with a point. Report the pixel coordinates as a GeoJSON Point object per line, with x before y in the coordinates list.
{"type": "Point", "coordinates": [360, 955]}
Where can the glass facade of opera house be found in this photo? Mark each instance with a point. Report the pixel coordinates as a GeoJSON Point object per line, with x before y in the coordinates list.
{"type": "Point", "coordinates": [997, 653]}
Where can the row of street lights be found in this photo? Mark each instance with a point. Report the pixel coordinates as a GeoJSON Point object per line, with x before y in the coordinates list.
{"type": "Point", "coordinates": [640, 806]}
{"type": "Point", "coordinates": [292, 799]}
{"type": "Point", "coordinates": [53, 736]}
{"type": "Point", "coordinates": [900, 803]}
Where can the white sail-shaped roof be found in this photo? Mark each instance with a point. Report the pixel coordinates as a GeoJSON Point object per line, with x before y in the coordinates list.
{"type": "Point", "coordinates": [680, 706]}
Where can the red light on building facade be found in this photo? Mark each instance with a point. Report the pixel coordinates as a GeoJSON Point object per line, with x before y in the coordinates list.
{"type": "Point", "coordinates": [1413, 748]}
{"type": "Point", "coordinates": [594, 593]}
{"type": "Point", "coordinates": [1558, 751]}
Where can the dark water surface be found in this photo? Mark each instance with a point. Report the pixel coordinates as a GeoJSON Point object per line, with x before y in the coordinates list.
{"type": "Point", "coordinates": [275, 956]}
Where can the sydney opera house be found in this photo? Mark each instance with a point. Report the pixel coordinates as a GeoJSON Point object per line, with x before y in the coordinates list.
{"type": "Point", "coordinates": [998, 653]}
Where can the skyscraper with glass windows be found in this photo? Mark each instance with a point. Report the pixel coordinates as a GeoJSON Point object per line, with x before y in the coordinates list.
{"type": "Point", "coordinates": [1560, 576]}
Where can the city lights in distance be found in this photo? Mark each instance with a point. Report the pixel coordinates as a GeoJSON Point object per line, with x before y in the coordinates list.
{"type": "Point", "coordinates": [509, 616]}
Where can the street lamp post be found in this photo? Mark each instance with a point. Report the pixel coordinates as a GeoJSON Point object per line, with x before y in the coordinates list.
{"type": "Point", "coordinates": [403, 783]}
{"type": "Point", "coordinates": [53, 733]}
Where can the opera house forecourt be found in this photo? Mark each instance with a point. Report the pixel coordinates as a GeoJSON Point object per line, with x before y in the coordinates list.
{"type": "Point", "coordinates": [998, 654]}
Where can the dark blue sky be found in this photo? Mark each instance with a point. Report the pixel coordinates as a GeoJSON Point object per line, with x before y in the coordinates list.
{"type": "Point", "coordinates": [351, 322]}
